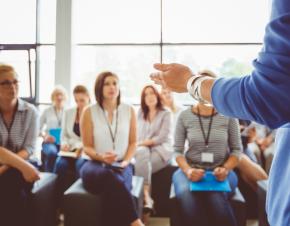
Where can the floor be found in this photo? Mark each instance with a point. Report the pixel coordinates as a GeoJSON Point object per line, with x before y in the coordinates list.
{"type": "Point", "coordinates": [165, 222]}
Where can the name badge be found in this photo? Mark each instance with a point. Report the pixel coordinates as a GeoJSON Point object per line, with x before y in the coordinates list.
{"type": "Point", "coordinates": [207, 157]}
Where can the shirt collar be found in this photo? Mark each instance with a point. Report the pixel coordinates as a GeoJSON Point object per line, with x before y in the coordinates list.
{"type": "Point", "coordinates": [21, 105]}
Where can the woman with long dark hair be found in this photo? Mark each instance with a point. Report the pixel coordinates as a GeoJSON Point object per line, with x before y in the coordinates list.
{"type": "Point", "coordinates": [154, 140]}
{"type": "Point", "coordinates": [108, 131]}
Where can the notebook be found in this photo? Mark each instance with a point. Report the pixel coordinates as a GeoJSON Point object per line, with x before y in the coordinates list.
{"type": "Point", "coordinates": [69, 154]}
{"type": "Point", "coordinates": [75, 153]}
{"type": "Point", "coordinates": [56, 134]}
{"type": "Point", "coordinates": [210, 183]}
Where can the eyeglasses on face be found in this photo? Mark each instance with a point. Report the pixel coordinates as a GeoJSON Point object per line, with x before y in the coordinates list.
{"type": "Point", "coordinates": [8, 83]}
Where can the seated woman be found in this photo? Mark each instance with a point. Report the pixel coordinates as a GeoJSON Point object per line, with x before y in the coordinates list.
{"type": "Point", "coordinates": [214, 145]}
{"type": "Point", "coordinates": [51, 119]}
{"type": "Point", "coordinates": [28, 171]}
{"type": "Point", "coordinates": [248, 168]}
{"type": "Point", "coordinates": [169, 102]}
{"type": "Point", "coordinates": [108, 131]}
{"type": "Point", "coordinates": [154, 140]}
{"type": "Point", "coordinates": [71, 139]}
{"type": "Point", "coordinates": [18, 126]}
{"type": "Point", "coordinates": [260, 142]}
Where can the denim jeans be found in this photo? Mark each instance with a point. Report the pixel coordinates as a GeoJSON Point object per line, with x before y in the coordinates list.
{"type": "Point", "coordinates": [203, 208]}
{"type": "Point", "coordinates": [119, 207]}
{"type": "Point", "coordinates": [49, 153]}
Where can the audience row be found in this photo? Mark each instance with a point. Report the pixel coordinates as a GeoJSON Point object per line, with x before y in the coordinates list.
{"type": "Point", "coordinates": [105, 143]}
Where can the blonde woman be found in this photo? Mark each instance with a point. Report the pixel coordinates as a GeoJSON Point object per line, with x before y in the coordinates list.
{"type": "Point", "coordinates": [18, 126]}
{"type": "Point", "coordinates": [51, 118]}
{"type": "Point", "coordinates": [169, 102]}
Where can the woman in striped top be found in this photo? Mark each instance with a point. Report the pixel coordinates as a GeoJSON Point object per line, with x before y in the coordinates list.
{"type": "Point", "coordinates": [18, 132]}
{"type": "Point", "coordinates": [215, 145]}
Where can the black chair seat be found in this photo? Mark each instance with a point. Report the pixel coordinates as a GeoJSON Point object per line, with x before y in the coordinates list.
{"type": "Point", "coordinates": [82, 208]}
{"type": "Point", "coordinates": [42, 201]}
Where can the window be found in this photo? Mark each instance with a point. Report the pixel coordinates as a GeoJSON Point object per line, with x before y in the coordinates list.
{"type": "Point", "coordinates": [224, 36]}
{"type": "Point", "coordinates": [111, 21]}
{"type": "Point", "coordinates": [46, 72]}
{"type": "Point", "coordinates": [207, 21]}
{"type": "Point", "coordinates": [13, 29]}
{"type": "Point", "coordinates": [21, 43]}
{"type": "Point", "coordinates": [225, 60]}
{"type": "Point", "coordinates": [17, 41]}
{"type": "Point", "coordinates": [132, 64]}
{"type": "Point", "coordinates": [47, 21]}
{"type": "Point", "coordinates": [21, 59]}
{"type": "Point", "coordinates": [46, 48]}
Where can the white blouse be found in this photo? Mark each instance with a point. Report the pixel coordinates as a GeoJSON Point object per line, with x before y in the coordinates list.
{"type": "Point", "coordinates": [50, 119]}
{"type": "Point", "coordinates": [120, 129]}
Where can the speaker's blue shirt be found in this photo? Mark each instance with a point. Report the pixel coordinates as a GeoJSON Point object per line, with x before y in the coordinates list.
{"type": "Point", "coordinates": [264, 97]}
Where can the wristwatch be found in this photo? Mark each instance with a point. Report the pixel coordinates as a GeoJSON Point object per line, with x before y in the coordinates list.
{"type": "Point", "coordinates": [191, 81]}
{"type": "Point", "coordinates": [194, 87]}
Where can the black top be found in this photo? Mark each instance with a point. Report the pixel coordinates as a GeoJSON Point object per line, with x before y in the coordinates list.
{"type": "Point", "coordinates": [76, 129]}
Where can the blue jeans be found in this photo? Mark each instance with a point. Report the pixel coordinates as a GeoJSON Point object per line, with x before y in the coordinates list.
{"type": "Point", "coordinates": [203, 208]}
{"type": "Point", "coordinates": [119, 208]}
{"type": "Point", "coordinates": [49, 153]}
{"type": "Point", "coordinates": [63, 166]}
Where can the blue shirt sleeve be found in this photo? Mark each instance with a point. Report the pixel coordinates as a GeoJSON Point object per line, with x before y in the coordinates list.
{"type": "Point", "coordinates": [264, 96]}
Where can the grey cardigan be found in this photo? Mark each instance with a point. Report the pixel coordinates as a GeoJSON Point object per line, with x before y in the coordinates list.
{"type": "Point", "coordinates": [159, 130]}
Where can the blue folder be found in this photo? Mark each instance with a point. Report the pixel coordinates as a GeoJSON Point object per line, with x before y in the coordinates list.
{"type": "Point", "coordinates": [56, 134]}
{"type": "Point", "coordinates": [210, 183]}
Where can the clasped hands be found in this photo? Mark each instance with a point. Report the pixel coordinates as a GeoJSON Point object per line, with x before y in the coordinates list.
{"type": "Point", "coordinates": [110, 157]}
{"type": "Point", "coordinates": [195, 174]}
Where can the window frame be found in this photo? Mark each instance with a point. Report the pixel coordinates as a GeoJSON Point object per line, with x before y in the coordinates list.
{"type": "Point", "coordinates": [163, 44]}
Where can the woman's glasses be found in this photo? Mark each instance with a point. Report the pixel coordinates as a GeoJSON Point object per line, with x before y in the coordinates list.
{"type": "Point", "coordinates": [8, 83]}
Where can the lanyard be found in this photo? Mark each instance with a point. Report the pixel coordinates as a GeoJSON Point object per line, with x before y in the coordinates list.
{"type": "Point", "coordinates": [113, 136]}
{"type": "Point", "coordinates": [57, 117]}
{"type": "Point", "coordinates": [206, 138]}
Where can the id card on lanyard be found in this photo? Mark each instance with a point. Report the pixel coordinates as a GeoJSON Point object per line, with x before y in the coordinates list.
{"type": "Point", "coordinates": [58, 116]}
{"type": "Point", "coordinates": [206, 157]}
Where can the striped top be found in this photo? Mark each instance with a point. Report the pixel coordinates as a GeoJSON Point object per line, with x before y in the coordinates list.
{"type": "Point", "coordinates": [23, 131]}
{"type": "Point", "coordinates": [224, 138]}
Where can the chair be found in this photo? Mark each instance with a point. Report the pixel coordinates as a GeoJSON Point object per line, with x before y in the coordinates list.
{"type": "Point", "coordinates": [82, 208]}
{"type": "Point", "coordinates": [42, 201]}
{"type": "Point", "coordinates": [160, 190]}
